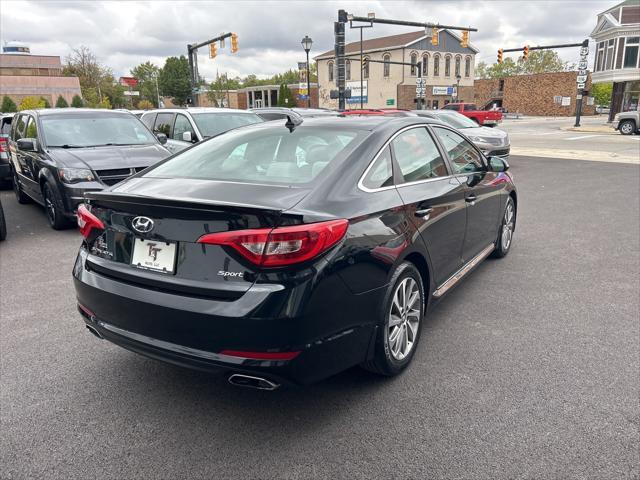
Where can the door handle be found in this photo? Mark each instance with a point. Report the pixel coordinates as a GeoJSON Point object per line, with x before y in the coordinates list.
{"type": "Point", "coordinates": [471, 199]}
{"type": "Point", "coordinates": [425, 212]}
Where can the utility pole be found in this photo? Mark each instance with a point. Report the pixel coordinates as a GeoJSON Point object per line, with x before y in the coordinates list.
{"type": "Point", "coordinates": [192, 52]}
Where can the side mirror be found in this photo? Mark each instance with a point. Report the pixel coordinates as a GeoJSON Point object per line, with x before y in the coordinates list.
{"type": "Point", "coordinates": [497, 164]}
{"type": "Point", "coordinates": [27, 144]}
{"type": "Point", "coordinates": [187, 137]}
{"type": "Point", "coordinates": [162, 138]}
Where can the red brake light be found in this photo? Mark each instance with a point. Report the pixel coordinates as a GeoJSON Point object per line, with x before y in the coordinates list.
{"type": "Point", "coordinates": [261, 355]}
{"type": "Point", "coordinates": [283, 245]}
{"type": "Point", "coordinates": [4, 145]}
{"type": "Point", "coordinates": [87, 221]}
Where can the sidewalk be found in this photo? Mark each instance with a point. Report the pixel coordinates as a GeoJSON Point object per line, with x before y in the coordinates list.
{"type": "Point", "coordinates": [604, 129]}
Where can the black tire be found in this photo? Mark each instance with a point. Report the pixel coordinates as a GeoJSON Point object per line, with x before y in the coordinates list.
{"type": "Point", "coordinates": [384, 360]}
{"type": "Point", "coordinates": [21, 197]}
{"type": "Point", "coordinates": [3, 225]}
{"type": "Point", "coordinates": [627, 127]}
{"type": "Point", "coordinates": [504, 241]}
{"type": "Point", "coordinates": [53, 208]}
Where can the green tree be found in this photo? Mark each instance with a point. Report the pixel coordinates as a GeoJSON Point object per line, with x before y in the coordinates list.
{"type": "Point", "coordinates": [145, 105]}
{"type": "Point", "coordinates": [219, 88]}
{"type": "Point", "coordinates": [542, 61]}
{"type": "Point", "coordinates": [601, 92]}
{"type": "Point", "coordinates": [174, 79]}
{"type": "Point", "coordinates": [8, 105]}
{"type": "Point", "coordinates": [61, 102]}
{"type": "Point", "coordinates": [83, 63]}
{"type": "Point", "coordinates": [31, 103]}
{"type": "Point", "coordinates": [45, 102]}
{"type": "Point", "coordinates": [76, 102]}
{"type": "Point", "coordinates": [146, 74]}
{"type": "Point", "coordinates": [285, 97]}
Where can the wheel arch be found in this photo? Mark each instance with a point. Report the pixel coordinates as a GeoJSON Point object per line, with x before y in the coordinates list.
{"type": "Point", "coordinates": [420, 262]}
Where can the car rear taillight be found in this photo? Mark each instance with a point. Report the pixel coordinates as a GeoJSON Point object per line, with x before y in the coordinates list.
{"type": "Point", "coordinates": [87, 221]}
{"type": "Point", "coordinates": [4, 145]}
{"type": "Point", "coordinates": [281, 246]}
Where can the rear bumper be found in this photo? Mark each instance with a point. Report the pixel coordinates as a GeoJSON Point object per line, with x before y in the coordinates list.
{"type": "Point", "coordinates": [331, 334]}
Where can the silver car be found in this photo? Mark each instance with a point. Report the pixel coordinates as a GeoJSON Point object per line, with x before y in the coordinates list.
{"type": "Point", "coordinates": [492, 141]}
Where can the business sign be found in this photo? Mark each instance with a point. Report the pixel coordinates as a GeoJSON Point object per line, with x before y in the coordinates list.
{"type": "Point", "coordinates": [302, 89]}
{"type": "Point", "coordinates": [131, 93]}
{"type": "Point", "coordinates": [302, 65]}
{"type": "Point", "coordinates": [356, 94]}
{"type": "Point", "coordinates": [128, 81]}
{"type": "Point", "coordinates": [449, 91]}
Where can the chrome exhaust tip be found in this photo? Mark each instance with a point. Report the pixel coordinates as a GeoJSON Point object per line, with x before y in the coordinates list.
{"type": "Point", "coordinates": [248, 381]}
{"type": "Point", "coordinates": [94, 331]}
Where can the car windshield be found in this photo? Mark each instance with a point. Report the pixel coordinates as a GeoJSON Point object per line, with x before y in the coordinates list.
{"type": "Point", "coordinates": [86, 130]}
{"type": "Point", "coordinates": [270, 155]}
{"type": "Point", "coordinates": [212, 124]}
{"type": "Point", "coordinates": [456, 120]}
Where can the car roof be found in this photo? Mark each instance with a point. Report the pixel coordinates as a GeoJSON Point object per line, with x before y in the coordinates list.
{"type": "Point", "coordinates": [72, 111]}
{"type": "Point", "coordinates": [199, 110]}
{"type": "Point", "coordinates": [364, 122]}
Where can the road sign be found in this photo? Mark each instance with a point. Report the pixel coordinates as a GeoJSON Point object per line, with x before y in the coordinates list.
{"type": "Point", "coordinates": [581, 85]}
{"type": "Point", "coordinates": [581, 79]}
{"type": "Point", "coordinates": [390, 101]}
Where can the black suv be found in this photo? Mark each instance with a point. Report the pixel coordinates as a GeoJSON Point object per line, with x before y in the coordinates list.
{"type": "Point", "coordinates": [59, 154]}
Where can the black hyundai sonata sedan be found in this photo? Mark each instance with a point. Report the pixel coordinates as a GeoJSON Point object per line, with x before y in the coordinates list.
{"type": "Point", "coordinates": [285, 253]}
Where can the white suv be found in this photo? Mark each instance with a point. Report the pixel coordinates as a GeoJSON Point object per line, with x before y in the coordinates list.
{"type": "Point", "coordinates": [186, 126]}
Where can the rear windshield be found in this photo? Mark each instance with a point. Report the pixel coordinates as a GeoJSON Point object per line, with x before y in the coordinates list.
{"type": "Point", "coordinates": [212, 124]}
{"type": "Point", "coordinates": [456, 120]}
{"type": "Point", "coordinates": [88, 130]}
{"type": "Point", "coordinates": [263, 155]}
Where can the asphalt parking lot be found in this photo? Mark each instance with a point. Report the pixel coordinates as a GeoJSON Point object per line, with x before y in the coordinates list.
{"type": "Point", "coordinates": [529, 369]}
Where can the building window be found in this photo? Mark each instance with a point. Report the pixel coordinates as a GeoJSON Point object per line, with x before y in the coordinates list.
{"type": "Point", "coordinates": [347, 70]}
{"type": "Point", "coordinates": [631, 52]}
{"type": "Point", "coordinates": [414, 60]}
{"type": "Point", "coordinates": [610, 54]}
{"type": "Point", "coordinates": [600, 57]}
{"type": "Point", "coordinates": [365, 69]}
{"type": "Point", "coordinates": [447, 66]}
{"type": "Point", "coordinates": [436, 65]}
{"type": "Point", "coordinates": [425, 65]}
{"type": "Point", "coordinates": [467, 67]}
{"type": "Point", "coordinates": [458, 60]}
{"type": "Point", "coordinates": [330, 68]}
{"type": "Point", "coordinates": [386, 71]}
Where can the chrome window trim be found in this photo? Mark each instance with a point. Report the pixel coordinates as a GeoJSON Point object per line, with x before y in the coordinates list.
{"type": "Point", "coordinates": [416, 182]}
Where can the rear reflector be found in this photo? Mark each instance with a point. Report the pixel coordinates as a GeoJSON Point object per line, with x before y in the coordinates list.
{"type": "Point", "coordinates": [87, 221]}
{"type": "Point", "coordinates": [85, 311]}
{"type": "Point", "coordinates": [261, 355]}
{"type": "Point", "coordinates": [283, 245]}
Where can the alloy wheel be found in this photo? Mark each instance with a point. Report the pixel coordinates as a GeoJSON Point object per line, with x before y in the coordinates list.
{"type": "Point", "coordinates": [507, 226]}
{"type": "Point", "coordinates": [626, 128]}
{"type": "Point", "coordinates": [49, 205]}
{"type": "Point", "coordinates": [404, 318]}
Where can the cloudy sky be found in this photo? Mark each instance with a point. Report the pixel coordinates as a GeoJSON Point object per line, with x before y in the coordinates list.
{"type": "Point", "coordinates": [124, 34]}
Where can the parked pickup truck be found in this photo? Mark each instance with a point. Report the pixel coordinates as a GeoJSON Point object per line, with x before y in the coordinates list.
{"type": "Point", "coordinates": [627, 123]}
{"type": "Point", "coordinates": [481, 117]}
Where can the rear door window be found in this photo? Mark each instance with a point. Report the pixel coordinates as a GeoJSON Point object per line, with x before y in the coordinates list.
{"type": "Point", "coordinates": [32, 128]}
{"type": "Point", "coordinates": [418, 156]}
{"type": "Point", "coordinates": [451, 107]}
{"type": "Point", "coordinates": [470, 107]}
{"type": "Point", "coordinates": [182, 125]}
{"type": "Point", "coordinates": [163, 124]}
{"type": "Point", "coordinates": [20, 124]}
{"type": "Point", "coordinates": [148, 119]}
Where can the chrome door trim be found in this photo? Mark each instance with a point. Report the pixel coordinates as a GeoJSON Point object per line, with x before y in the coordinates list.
{"type": "Point", "coordinates": [456, 277]}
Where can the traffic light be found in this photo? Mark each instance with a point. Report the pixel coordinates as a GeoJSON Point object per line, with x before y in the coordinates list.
{"type": "Point", "coordinates": [434, 36]}
{"type": "Point", "coordinates": [525, 52]}
{"type": "Point", "coordinates": [364, 62]}
{"type": "Point", "coordinates": [234, 42]}
{"type": "Point", "coordinates": [465, 39]}
{"type": "Point", "coordinates": [213, 50]}
{"type": "Point", "coordinates": [500, 56]}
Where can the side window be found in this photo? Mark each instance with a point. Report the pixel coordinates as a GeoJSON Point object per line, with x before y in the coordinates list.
{"type": "Point", "coordinates": [469, 107]}
{"type": "Point", "coordinates": [417, 155]}
{"type": "Point", "coordinates": [464, 157]}
{"type": "Point", "coordinates": [163, 123]}
{"type": "Point", "coordinates": [273, 116]}
{"type": "Point", "coordinates": [451, 107]}
{"type": "Point", "coordinates": [182, 125]}
{"type": "Point", "coordinates": [19, 128]}
{"type": "Point", "coordinates": [32, 128]}
{"type": "Point", "coordinates": [381, 173]}
{"type": "Point", "coordinates": [148, 120]}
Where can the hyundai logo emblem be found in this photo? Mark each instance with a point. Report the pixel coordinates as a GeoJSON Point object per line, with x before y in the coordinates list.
{"type": "Point", "coordinates": [142, 224]}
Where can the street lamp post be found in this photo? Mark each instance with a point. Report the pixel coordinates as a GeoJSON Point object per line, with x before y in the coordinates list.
{"type": "Point", "coordinates": [458, 78]}
{"type": "Point", "coordinates": [306, 44]}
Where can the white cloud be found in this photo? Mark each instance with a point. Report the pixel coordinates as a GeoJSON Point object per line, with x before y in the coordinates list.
{"type": "Point", "coordinates": [124, 34]}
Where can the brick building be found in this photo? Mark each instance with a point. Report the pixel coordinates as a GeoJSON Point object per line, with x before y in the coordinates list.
{"type": "Point", "coordinates": [547, 94]}
{"type": "Point", "coordinates": [23, 75]}
{"type": "Point", "coordinates": [390, 85]}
